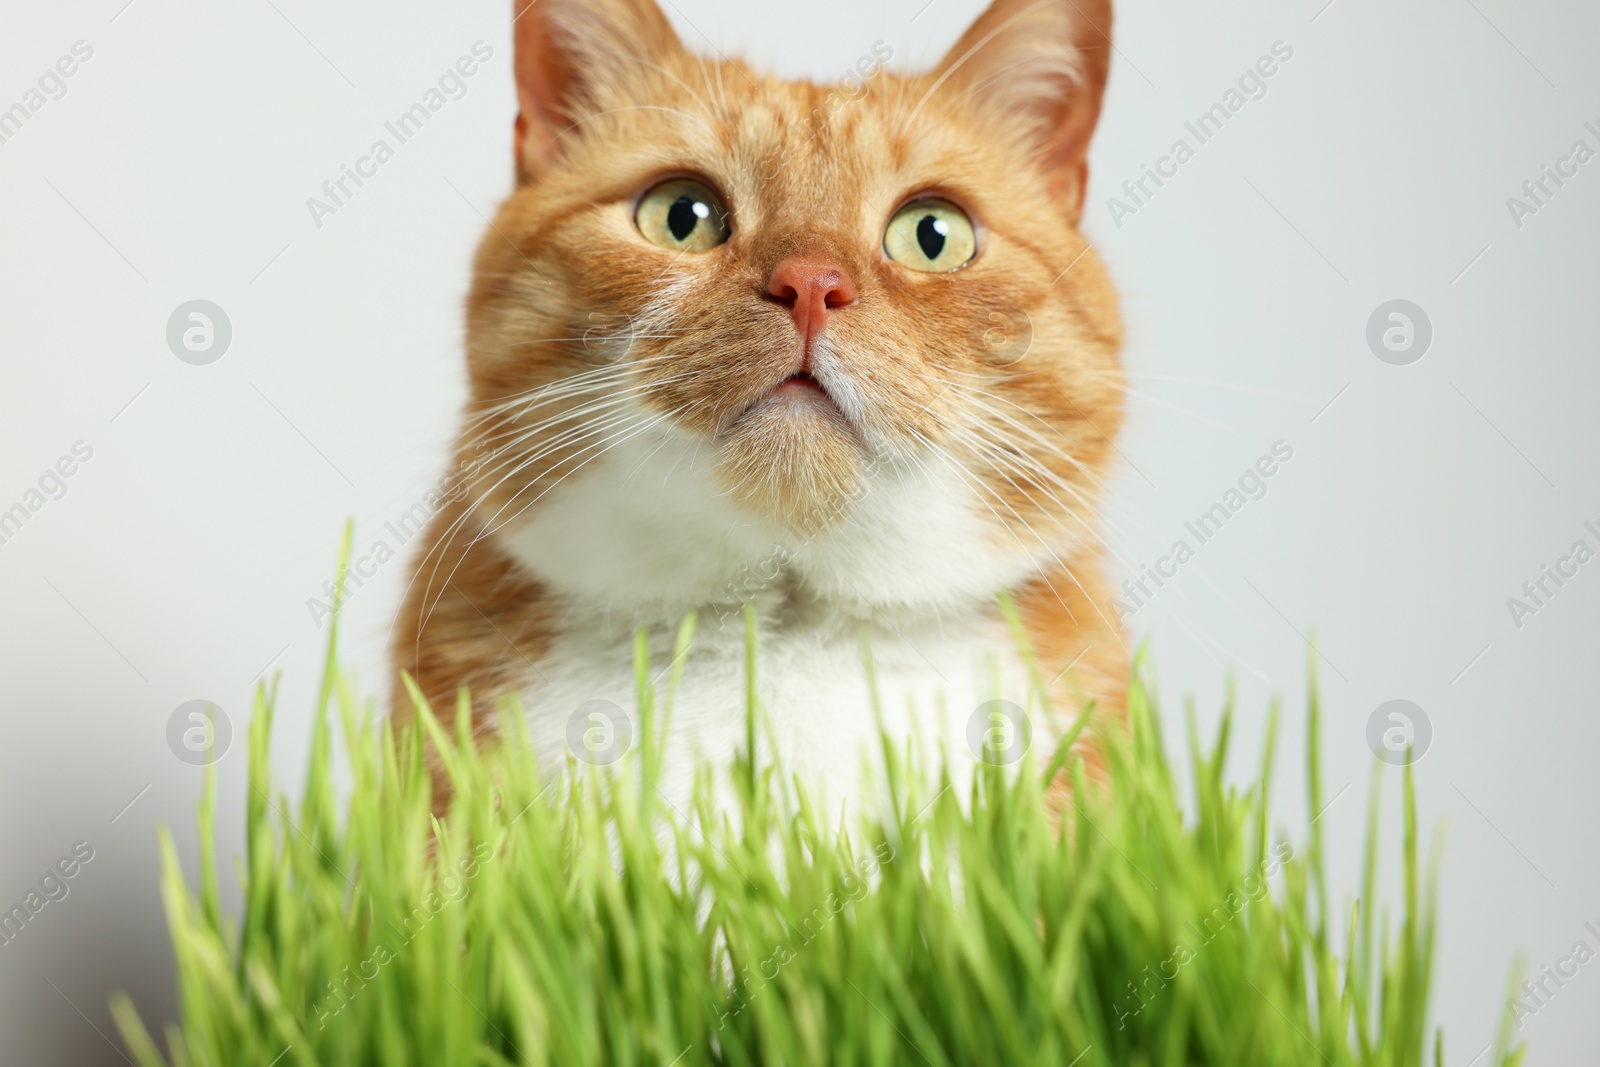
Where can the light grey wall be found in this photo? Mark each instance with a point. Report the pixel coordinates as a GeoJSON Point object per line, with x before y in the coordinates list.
{"type": "Point", "coordinates": [1376, 167]}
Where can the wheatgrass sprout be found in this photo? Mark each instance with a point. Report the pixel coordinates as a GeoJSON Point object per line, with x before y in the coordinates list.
{"type": "Point", "coordinates": [574, 919]}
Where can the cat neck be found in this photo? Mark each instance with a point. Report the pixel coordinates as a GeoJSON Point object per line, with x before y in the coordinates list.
{"type": "Point", "coordinates": [643, 535]}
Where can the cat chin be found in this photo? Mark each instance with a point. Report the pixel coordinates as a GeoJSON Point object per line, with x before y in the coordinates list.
{"type": "Point", "coordinates": [793, 458]}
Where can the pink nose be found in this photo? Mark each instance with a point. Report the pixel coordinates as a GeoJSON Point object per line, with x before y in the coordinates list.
{"type": "Point", "coordinates": [810, 288]}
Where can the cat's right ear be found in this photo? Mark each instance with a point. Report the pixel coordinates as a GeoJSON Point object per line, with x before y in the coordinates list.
{"type": "Point", "coordinates": [1039, 68]}
{"type": "Point", "coordinates": [572, 56]}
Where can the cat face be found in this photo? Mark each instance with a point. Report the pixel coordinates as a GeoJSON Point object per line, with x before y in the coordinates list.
{"type": "Point", "coordinates": [816, 290]}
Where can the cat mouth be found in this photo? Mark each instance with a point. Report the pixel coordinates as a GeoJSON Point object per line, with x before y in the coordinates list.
{"type": "Point", "coordinates": [800, 398]}
{"type": "Point", "coordinates": [803, 393]}
{"type": "Point", "coordinates": [800, 382]}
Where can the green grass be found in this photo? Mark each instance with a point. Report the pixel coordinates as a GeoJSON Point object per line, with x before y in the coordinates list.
{"type": "Point", "coordinates": [543, 921]}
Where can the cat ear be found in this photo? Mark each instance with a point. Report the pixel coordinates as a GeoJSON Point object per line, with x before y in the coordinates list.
{"type": "Point", "coordinates": [1039, 67]}
{"type": "Point", "coordinates": [570, 55]}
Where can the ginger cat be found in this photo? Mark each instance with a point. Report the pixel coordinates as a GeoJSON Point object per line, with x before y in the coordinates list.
{"type": "Point", "coordinates": [842, 355]}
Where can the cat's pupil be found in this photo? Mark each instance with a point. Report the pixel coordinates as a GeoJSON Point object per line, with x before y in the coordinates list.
{"type": "Point", "coordinates": [930, 235]}
{"type": "Point", "coordinates": [684, 215]}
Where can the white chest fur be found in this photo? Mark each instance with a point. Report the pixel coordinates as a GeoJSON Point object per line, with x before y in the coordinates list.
{"type": "Point", "coordinates": [816, 707]}
{"type": "Point", "coordinates": [643, 536]}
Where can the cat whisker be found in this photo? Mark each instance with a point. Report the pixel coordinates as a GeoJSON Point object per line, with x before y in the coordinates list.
{"type": "Point", "coordinates": [1012, 460]}
{"type": "Point", "coordinates": [1047, 447]}
{"type": "Point", "coordinates": [973, 396]}
{"type": "Point", "coordinates": [511, 449]}
{"type": "Point", "coordinates": [1089, 504]}
{"type": "Point", "coordinates": [669, 335]}
{"type": "Point", "coordinates": [1180, 409]}
{"type": "Point", "coordinates": [1020, 455]}
{"type": "Point", "coordinates": [980, 488]}
{"type": "Point", "coordinates": [611, 398]}
{"type": "Point", "coordinates": [512, 457]}
{"type": "Point", "coordinates": [594, 380]}
{"type": "Point", "coordinates": [447, 539]}
{"type": "Point", "coordinates": [489, 527]}
{"type": "Point", "coordinates": [1214, 383]}
{"type": "Point", "coordinates": [1060, 563]}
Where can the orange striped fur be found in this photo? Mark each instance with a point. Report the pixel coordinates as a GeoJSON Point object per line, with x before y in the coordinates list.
{"type": "Point", "coordinates": [959, 433]}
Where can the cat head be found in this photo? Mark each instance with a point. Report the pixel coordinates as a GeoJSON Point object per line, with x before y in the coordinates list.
{"type": "Point", "coordinates": [816, 288]}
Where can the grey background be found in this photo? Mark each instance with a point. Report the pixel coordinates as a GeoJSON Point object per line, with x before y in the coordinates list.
{"type": "Point", "coordinates": [1419, 498]}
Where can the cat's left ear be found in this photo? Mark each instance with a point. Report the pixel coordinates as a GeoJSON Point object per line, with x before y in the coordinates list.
{"type": "Point", "coordinates": [572, 57]}
{"type": "Point", "coordinates": [1039, 67]}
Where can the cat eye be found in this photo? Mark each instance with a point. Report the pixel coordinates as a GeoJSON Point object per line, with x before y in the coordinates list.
{"type": "Point", "coordinates": [930, 235]}
{"type": "Point", "coordinates": [683, 215]}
